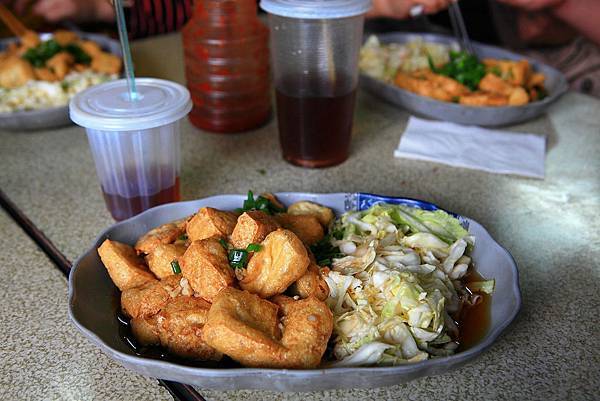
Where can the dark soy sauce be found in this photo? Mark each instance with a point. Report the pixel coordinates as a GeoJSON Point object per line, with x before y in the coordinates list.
{"type": "Point", "coordinates": [474, 321]}
{"type": "Point", "coordinates": [314, 131]}
{"type": "Point", "coordinates": [122, 208]}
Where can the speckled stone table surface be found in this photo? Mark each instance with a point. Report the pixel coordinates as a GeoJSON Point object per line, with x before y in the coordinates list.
{"type": "Point", "coordinates": [551, 226]}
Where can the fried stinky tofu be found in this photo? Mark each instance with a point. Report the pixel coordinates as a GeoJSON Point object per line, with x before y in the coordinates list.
{"type": "Point", "coordinates": [60, 64]}
{"type": "Point", "coordinates": [536, 80]}
{"type": "Point", "coordinates": [449, 85]}
{"type": "Point", "coordinates": [323, 214]}
{"type": "Point", "coordinates": [514, 72]}
{"type": "Point", "coordinates": [252, 227]}
{"type": "Point", "coordinates": [282, 260]}
{"type": "Point", "coordinates": [205, 265]}
{"type": "Point", "coordinates": [90, 47]}
{"type": "Point", "coordinates": [125, 268]}
{"type": "Point", "coordinates": [273, 199]}
{"type": "Point", "coordinates": [44, 74]}
{"type": "Point", "coordinates": [518, 97]}
{"type": "Point", "coordinates": [165, 234]}
{"type": "Point", "coordinates": [311, 284]}
{"type": "Point", "coordinates": [150, 298]}
{"type": "Point", "coordinates": [307, 326]}
{"type": "Point", "coordinates": [422, 87]}
{"type": "Point", "coordinates": [106, 63]}
{"type": "Point", "coordinates": [160, 258]}
{"type": "Point", "coordinates": [15, 72]}
{"type": "Point", "coordinates": [494, 84]}
{"type": "Point", "coordinates": [145, 330]}
{"type": "Point", "coordinates": [482, 99]}
{"type": "Point", "coordinates": [180, 328]}
{"type": "Point", "coordinates": [64, 37]}
{"type": "Point", "coordinates": [306, 227]}
{"type": "Point", "coordinates": [245, 327]}
{"type": "Point", "coordinates": [209, 222]}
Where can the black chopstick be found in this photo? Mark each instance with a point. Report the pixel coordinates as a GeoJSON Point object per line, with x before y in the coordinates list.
{"type": "Point", "coordinates": [179, 391]}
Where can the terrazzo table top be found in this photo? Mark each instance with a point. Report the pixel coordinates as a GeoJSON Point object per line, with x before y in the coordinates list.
{"type": "Point", "coordinates": [551, 227]}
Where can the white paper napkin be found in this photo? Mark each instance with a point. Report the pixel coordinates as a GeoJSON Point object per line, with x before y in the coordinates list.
{"type": "Point", "coordinates": [472, 147]}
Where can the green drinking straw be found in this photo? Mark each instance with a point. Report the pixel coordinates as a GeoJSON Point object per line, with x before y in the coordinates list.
{"type": "Point", "coordinates": [133, 95]}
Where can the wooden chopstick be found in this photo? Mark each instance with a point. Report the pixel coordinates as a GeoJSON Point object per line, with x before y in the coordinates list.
{"type": "Point", "coordinates": [12, 22]}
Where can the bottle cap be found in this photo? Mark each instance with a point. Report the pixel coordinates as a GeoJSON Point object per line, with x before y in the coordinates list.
{"type": "Point", "coordinates": [316, 9]}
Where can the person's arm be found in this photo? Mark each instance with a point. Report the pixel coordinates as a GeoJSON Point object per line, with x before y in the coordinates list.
{"type": "Point", "coordinates": [152, 17]}
{"type": "Point", "coordinates": [583, 15]}
{"type": "Point", "coordinates": [401, 8]}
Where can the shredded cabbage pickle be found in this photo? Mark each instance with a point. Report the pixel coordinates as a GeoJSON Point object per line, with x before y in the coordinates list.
{"type": "Point", "coordinates": [394, 290]}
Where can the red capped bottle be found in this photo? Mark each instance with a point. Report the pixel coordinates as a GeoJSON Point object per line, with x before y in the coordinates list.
{"type": "Point", "coordinates": [227, 66]}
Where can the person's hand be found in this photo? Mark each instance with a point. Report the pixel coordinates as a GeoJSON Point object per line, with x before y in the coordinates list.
{"type": "Point", "coordinates": [532, 5]}
{"type": "Point", "coordinates": [401, 8]}
{"type": "Point", "coordinates": [77, 10]}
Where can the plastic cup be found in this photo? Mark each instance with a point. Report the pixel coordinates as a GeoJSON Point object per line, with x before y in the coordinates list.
{"type": "Point", "coordinates": [314, 49]}
{"type": "Point", "coordinates": [135, 144]}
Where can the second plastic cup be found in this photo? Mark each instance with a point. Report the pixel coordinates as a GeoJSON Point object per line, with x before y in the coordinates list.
{"type": "Point", "coordinates": [135, 144]}
{"type": "Point", "coordinates": [315, 46]}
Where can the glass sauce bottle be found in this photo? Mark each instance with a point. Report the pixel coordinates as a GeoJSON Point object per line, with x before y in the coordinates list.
{"type": "Point", "coordinates": [227, 66]}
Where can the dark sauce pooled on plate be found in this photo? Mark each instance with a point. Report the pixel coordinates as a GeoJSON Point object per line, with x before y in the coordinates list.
{"type": "Point", "coordinates": [474, 320]}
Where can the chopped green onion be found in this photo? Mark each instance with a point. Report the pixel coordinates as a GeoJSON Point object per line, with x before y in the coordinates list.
{"type": "Point", "coordinates": [223, 243]}
{"type": "Point", "coordinates": [238, 258]}
{"type": "Point", "coordinates": [253, 248]}
{"type": "Point", "coordinates": [175, 267]}
{"type": "Point", "coordinates": [183, 237]}
{"type": "Point", "coordinates": [261, 203]}
{"type": "Point", "coordinates": [486, 286]}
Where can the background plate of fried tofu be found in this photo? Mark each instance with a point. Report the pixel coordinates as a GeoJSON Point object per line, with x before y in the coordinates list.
{"type": "Point", "coordinates": [94, 305]}
{"type": "Point", "coordinates": [54, 117]}
{"type": "Point", "coordinates": [487, 116]}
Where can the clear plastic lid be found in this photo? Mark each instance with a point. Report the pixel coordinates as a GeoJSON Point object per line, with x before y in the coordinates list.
{"type": "Point", "coordinates": [316, 9]}
{"type": "Point", "coordinates": [107, 106]}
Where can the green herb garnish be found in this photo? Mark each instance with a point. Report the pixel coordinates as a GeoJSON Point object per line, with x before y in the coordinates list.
{"type": "Point", "coordinates": [182, 237]}
{"type": "Point", "coordinates": [175, 267]}
{"type": "Point", "coordinates": [253, 248]}
{"type": "Point", "coordinates": [238, 258]}
{"type": "Point", "coordinates": [463, 67]}
{"type": "Point", "coordinates": [39, 55]}
{"type": "Point", "coordinates": [324, 251]}
{"type": "Point", "coordinates": [260, 203]}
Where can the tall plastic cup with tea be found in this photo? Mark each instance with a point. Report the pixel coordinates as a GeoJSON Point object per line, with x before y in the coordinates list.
{"type": "Point", "coordinates": [314, 49]}
{"type": "Point", "coordinates": [135, 144]}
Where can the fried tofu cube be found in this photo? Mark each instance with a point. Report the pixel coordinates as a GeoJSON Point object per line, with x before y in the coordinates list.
{"type": "Point", "coordinates": [518, 97]}
{"type": "Point", "coordinates": [106, 63]}
{"type": "Point", "coordinates": [159, 260]}
{"type": "Point", "coordinates": [30, 39]}
{"type": "Point", "coordinates": [209, 222]}
{"type": "Point", "coordinates": [90, 47]}
{"type": "Point", "coordinates": [64, 37]}
{"type": "Point", "coordinates": [483, 99]}
{"type": "Point", "coordinates": [164, 234]}
{"type": "Point", "coordinates": [282, 260]}
{"type": "Point", "coordinates": [323, 214]}
{"type": "Point", "coordinates": [273, 199]}
{"type": "Point", "coordinates": [15, 72]}
{"type": "Point", "coordinates": [252, 227]}
{"type": "Point", "coordinates": [536, 80]}
{"type": "Point", "coordinates": [44, 74]}
{"type": "Point", "coordinates": [494, 84]}
{"type": "Point", "coordinates": [180, 328]}
{"type": "Point", "coordinates": [306, 227]}
{"type": "Point", "coordinates": [145, 330]}
{"type": "Point", "coordinates": [60, 64]}
{"type": "Point", "coordinates": [125, 268]}
{"type": "Point", "coordinates": [150, 298]}
{"type": "Point", "coordinates": [205, 264]}
{"type": "Point", "coordinates": [311, 284]}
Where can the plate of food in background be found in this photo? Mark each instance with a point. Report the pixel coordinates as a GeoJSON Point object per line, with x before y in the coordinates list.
{"type": "Point", "coordinates": [294, 291]}
{"type": "Point", "coordinates": [428, 75]}
{"type": "Point", "coordinates": [39, 73]}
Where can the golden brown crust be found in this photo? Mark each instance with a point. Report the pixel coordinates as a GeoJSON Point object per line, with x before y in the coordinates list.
{"type": "Point", "coordinates": [252, 227]}
{"type": "Point", "coordinates": [160, 258]}
{"type": "Point", "coordinates": [244, 327]}
{"type": "Point", "coordinates": [311, 284]}
{"type": "Point", "coordinates": [150, 298]}
{"type": "Point", "coordinates": [180, 328]}
{"type": "Point", "coordinates": [206, 266]}
{"type": "Point", "coordinates": [323, 214]}
{"type": "Point", "coordinates": [145, 330]}
{"type": "Point", "coordinates": [306, 227]}
{"type": "Point", "coordinates": [281, 260]}
{"type": "Point", "coordinates": [209, 222]}
{"type": "Point", "coordinates": [125, 268]}
{"type": "Point", "coordinates": [164, 234]}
